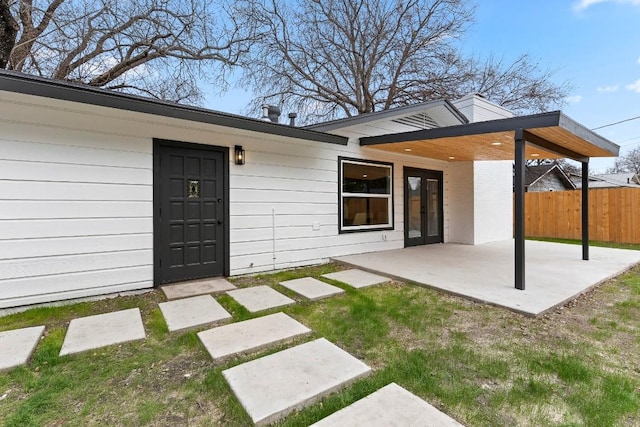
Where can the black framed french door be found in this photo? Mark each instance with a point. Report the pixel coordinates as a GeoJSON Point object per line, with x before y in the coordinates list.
{"type": "Point", "coordinates": [423, 207]}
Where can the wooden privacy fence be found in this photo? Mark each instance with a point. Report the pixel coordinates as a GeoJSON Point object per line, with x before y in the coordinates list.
{"type": "Point", "coordinates": [614, 214]}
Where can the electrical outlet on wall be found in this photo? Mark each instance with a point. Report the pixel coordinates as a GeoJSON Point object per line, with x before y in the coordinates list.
{"type": "Point", "coordinates": [384, 237]}
{"type": "Point", "coordinates": [315, 226]}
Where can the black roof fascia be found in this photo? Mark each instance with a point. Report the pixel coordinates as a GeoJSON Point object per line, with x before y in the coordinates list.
{"type": "Point", "coordinates": [550, 119]}
{"type": "Point", "coordinates": [369, 117]}
{"type": "Point", "coordinates": [12, 81]}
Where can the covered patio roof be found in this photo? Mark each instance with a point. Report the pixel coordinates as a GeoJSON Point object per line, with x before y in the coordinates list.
{"type": "Point", "coordinates": [539, 136]}
{"type": "Point", "coordinates": [548, 136]}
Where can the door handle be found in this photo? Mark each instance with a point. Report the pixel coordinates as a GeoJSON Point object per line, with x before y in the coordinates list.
{"type": "Point", "coordinates": [219, 221]}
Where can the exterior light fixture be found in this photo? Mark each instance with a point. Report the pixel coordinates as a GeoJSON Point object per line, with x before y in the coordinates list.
{"type": "Point", "coordinates": [496, 143]}
{"type": "Point", "coordinates": [239, 155]}
{"type": "Point", "coordinates": [535, 155]}
{"type": "Point", "coordinates": [407, 149]}
{"type": "Point", "coordinates": [452, 158]}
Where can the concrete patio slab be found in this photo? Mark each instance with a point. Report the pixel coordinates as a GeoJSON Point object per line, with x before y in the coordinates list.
{"type": "Point", "coordinates": [17, 345]}
{"type": "Point", "coordinates": [273, 386]}
{"type": "Point", "coordinates": [191, 312]}
{"type": "Point", "coordinates": [258, 298]}
{"type": "Point", "coordinates": [356, 278]}
{"type": "Point", "coordinates": [390, 406]}
{"type": "Point", "coordinates": [250, 335]}
{"type": "Point", "coordinates": [101, 330]}
{"type": "Point", "coordinates": [311, 288]}
{"type": "Point", "coordinates": [555, 272]}
{"type": "Point", "coordinates": [197, 287]}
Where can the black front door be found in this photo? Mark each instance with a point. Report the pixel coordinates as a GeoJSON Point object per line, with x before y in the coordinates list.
{"type": "Point", "coordinates": [191, 211]}
{"type": "Point", "coordinates": [423, 213]}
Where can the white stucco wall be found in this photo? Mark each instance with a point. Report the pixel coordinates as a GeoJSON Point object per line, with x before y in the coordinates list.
{"type": "Point", "coordinates": [481, 201]}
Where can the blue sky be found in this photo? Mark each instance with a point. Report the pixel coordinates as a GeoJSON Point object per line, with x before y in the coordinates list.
{"type": "Point", "coordinates": [594, 44]}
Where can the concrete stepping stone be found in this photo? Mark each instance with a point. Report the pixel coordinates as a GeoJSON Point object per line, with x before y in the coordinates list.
{"type": "Point", "coordinates": [271, 387]}
{"type": "Point", "coordinates": [191, 312]}
{"type": "Point", "coordinates": [311, 288]}
{"type": "Point", "coordinates": [197, 287]}
{"type": "Point", "coordinates": [258, 298]}
{"type": "Point", "coordinates": [101, 330]}
{"type": "Point", "coordinates": [250, 335]}
{"type": "Point", "coordinates": [17, 345]}
{"type": "Point", "coordinates": [390, 406]}
{"type": "Point", "coordinates": [356, 278]}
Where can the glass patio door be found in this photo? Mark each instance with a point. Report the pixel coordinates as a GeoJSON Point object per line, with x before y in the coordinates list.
{"type": "Point", "coordinates": [422, 207]}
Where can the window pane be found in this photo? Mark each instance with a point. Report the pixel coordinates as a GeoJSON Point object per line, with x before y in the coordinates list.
{"type": "Point", "coordinates": [365, 211]}
{"type": "Point", "coordinates": [370, 179]}
{"type": "Point", "coordinates": [433, 227]}
{"type": "Point", "coordinates": [415, 207]}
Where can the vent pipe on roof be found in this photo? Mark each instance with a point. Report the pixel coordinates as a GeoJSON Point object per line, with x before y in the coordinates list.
{"type": "Point", "coordinates": [270, 113]}
{"type": "Point", "coordinates": [274, 113]}
{"type": "Point", "coordinates": [292, 119]}
{"type": "Point", "coordinates": [265, 113]}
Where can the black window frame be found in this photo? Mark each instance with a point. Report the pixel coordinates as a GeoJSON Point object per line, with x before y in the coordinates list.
{"type": "Point", "coordinates": [365, 228]}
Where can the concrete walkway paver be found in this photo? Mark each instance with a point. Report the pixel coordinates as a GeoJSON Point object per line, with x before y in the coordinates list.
{"type": "Point", "coordinates": [250, 335]}
{"type": "Point", "coordinates": [197, 287]}
{"type": "Point", "coordinates": [390, 406]}
{"type": "Point", "coordinates": [192, 312]}
{"type": "Point", "coordinates": [87, 333]}
{"type": "Point", "coordinates": [258, 298]}
{"type": "Point", "coordinates": [356, 278]}
{"type": "Point", "coordinates": [17, 345]}
{"type": "Point", "coordinates": [273, 386]}
{"type": "Point", "coordinates": [311, 288]}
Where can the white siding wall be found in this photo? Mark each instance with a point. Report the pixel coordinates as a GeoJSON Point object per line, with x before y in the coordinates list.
{"type": "Point", "coordinates": [76, 199]}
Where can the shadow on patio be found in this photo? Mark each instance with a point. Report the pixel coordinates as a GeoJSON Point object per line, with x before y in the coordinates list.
{"type": "Point", "coordinates": [555, 272]}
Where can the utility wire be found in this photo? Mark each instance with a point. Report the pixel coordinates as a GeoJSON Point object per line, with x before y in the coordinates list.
{"type": "Point", "coordinates": [617, 123]}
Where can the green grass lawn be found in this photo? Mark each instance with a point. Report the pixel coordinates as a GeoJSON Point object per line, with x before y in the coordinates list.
{"type": "Point", "coordinates": [484, 366]}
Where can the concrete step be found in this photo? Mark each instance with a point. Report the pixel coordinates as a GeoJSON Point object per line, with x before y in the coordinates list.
{"type": "Point", "coordinates": [192, 312]}
{"type": "Point", "coordinates": [192, 288]}
{"type": "Point", "coordinates": [250, 335]}
{"type": "Point", "coordinates": [101, 330]}
{"type": "Point", "coordinates": [273, 386]}
{"type": "Point", "coordinates": [357, 278]}
{"type": "Point", "coordinates": [259, 298]}
{"type": "Point", "coordinates": [17, 345]}
{"type": "Point", "coordinates": [311, 288]}
{"type": "Point", "coordinates": [390, 406]}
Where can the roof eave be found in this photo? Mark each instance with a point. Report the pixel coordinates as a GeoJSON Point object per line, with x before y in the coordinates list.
{"type": "Point", "coordinates": [65, 91]}
{"type": "Point", "coordinates": [381, 115]}
{"type": "Point", "coordinates": [542, 120]}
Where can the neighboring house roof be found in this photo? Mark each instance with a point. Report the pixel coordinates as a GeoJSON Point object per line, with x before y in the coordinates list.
{"type": "Point", "coordinates": [533, 174]}
{"type": "Point", "coordinates": [426, 115]}
{"type": "Point", "coordinates": [609, 180]}
{"type": "Point", "coordinates": [12, 81]}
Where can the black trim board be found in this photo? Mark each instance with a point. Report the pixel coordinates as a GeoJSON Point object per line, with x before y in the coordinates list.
{"type": "Point", "coordinates": [12, 81]}
{"type": "Point", "coordinates": [374, 162]}
{"type": "Point", "coordinates": [543, 120]}
{"type": "Point", "coordinates": [157, 143]}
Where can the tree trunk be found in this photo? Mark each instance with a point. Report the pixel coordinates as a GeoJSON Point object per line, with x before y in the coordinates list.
{"type": "Point", "coordinates": [8, 32]}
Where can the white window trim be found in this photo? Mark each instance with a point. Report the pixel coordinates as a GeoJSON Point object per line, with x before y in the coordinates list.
{"type": "Point", "coordinates": [373, 227]}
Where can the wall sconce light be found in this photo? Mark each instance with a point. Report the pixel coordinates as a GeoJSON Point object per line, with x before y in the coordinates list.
{"type": "Point", "coordinates": [239, 155]}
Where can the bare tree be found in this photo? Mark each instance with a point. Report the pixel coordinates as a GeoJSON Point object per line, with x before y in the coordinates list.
{"type": "Point", "coordinates": [629, 162]}
{"type": "Point", "coordinates": [8, 31]}
{"type": "Point", "coordinates": [155, 47]}
{"type": "Point", "coordinates": [333, 58]}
